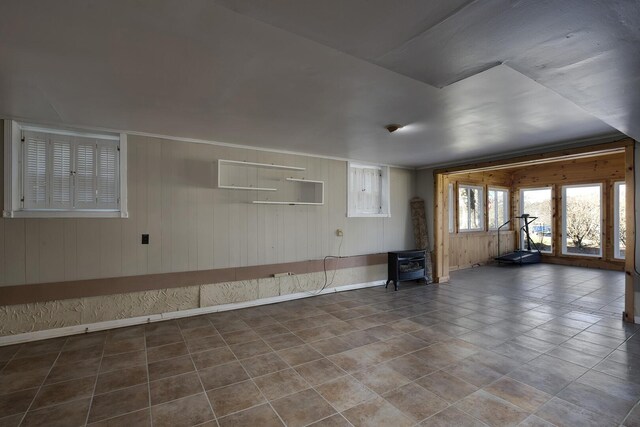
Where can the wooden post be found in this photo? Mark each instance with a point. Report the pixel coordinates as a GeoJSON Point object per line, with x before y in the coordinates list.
{"type": "Point", "coordinates": [556, 217]}
{"type": "Point", "coordinates": [442, 229]}
{"type": "Point", "coordinates": [630, 249]}
{"type": "Point", "coordinates": [608, 189]}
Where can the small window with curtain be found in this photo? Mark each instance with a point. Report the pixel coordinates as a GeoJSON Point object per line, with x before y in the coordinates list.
{"type": "Point", "coordinates": [368, 190]}
{"type": "Point", "coordinates": [498, 207]}
{"type": "Point", "coordinates": [62, 173]}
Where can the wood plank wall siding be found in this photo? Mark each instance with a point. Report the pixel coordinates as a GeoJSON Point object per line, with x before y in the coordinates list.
{"type": "Point", "coordinates": [604, 164]}
{"type": "Point", "coordinates": [605, 170]}
{"type": "Point", "coordinates": [195, 226]}
{"type": "Point", "coordinates": [469, 248]}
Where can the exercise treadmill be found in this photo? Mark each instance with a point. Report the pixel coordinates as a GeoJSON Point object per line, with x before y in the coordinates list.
{"type": "Point", "coordinates": [530, 255]}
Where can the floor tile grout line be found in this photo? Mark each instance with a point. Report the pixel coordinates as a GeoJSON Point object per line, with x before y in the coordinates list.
{"type": "Point", "coordinates": [86, 421]}
{"type": "Point", "coordinates": [146, 359]}
{"type": "Point", "coordinates": [195, 369]}
{"type": "Point", "coordinates": [268, 402]}
{"type": "Point", "coordinates": [39, 389]}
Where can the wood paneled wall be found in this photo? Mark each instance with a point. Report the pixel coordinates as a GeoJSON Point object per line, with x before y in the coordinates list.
{"type": "Point", "coordinates": [467, 249]}
{"type": "Point", "coordinates": [195, 226]}
{"type": "Point", "coordinates": [605, 170]}
{"type": "Point", "coordinates": [576, 171]}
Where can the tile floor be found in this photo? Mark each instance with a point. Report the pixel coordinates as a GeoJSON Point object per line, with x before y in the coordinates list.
{"type": "Point", "coordinates": [538, 345]}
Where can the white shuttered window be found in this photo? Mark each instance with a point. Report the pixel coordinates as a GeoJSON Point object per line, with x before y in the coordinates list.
{"type": "Point", "coordinates": [69, 172]}
{"type": "Point", "coordinates": [368, 190]}
{"type": "Point", "coordinates": [85, 175]}
{"type": "Point", "coordinates": [61, 197]}
{"type": "Point", "coordinates": [108, 182]}
{"type": "Point", "coordinates": [36, 195]}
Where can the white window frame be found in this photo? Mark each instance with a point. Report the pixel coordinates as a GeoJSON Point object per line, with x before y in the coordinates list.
{"type": "Point", "coordinates": [523, 243]}
{"type": "Point", "coordinates": [507, 205]}
{"type": "Point", "coordinates": [13, 185]}
{"type": "Point", "coordinates": [483, 205]}
{"type": "Point", "coordinates": [452, 208]}
{"type": "Point", "coordinates": [616, 219]}
{"type": "Point", "coordinates": [385, 208]}
{"type": "Point", "coordinates": [564, 220]}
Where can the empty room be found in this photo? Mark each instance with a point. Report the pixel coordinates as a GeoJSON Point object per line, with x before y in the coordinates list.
{"type": "Point", "coordinates": [319, 213]}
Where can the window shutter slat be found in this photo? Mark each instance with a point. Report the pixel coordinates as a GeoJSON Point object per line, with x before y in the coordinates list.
{"type": "Point", "coordinates": [35, 176]}
{"type": "Point", "coordinates": [61, 174]}
{"type": "Point", "coordinates": [85, 176]}
{"type": "Point", "coordinates": [108, 176]}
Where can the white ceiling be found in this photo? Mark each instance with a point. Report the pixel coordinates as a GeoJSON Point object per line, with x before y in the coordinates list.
{"type": "Point", "coordinates": [470, 78]}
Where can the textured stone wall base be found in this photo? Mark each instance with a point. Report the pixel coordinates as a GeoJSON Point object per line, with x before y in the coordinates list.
{"type": "Point", "coordinates": [27, 322]}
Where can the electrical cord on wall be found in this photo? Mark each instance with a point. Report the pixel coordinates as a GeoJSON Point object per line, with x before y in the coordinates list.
{"type": "Point", "coordinates": [327, 283]}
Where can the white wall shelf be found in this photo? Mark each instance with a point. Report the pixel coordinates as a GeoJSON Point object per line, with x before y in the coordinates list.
{"type": "Point", "coordinates": [238, 187]}
{"type": "Point", "coordinates": [289, 190]}
{"type": "Point", "coordinates": [273, 202]}
{"type": "Point", "coordinates": [259, 165]}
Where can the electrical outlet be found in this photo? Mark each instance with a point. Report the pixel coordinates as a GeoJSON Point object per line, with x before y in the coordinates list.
{"type": "Point", "coordinates": [339, 232]}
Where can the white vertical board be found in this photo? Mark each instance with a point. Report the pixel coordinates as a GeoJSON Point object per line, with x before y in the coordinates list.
{"type": "Point", "coordinates": [88, 248]}
{"type": "Point", "coordinates": [14, 251]}
{"type": "Point", "coordinates": [130, 240]}
{"type": "Point", "coordinates": [70, 258]}
{"type": "Point", "coordinates": [206, 182]}
{"type": "Point", "coordinates": [166, 215]}
{"type": "Point", "coordinates": [221, 218]}
{"type": "Point", "coordinates": [140, 203]}
{"type": "Point", "coordinates": [154, 205]}
{"type": "Point", "coordinates": [51, 250]}
{"type": "Point", "coordinates": [32, 250]}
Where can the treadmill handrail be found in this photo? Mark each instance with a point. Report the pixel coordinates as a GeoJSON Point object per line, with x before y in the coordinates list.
{"type": "Point", "coordinates": [500, 228]}
{"type": "Point", "coordinates": [528, 220]}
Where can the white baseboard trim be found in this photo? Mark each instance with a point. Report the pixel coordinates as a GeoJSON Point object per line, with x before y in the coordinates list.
{"type": "Point", "coordinates": [132, 321]}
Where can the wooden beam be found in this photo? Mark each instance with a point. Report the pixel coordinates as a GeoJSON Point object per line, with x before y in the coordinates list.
{"type": "Point", "coordinates": [608, 188]}
{"type": "Point", "coordinates": [547, 157]}
{"type": "Point", "coordinates": [630, 249]}
{"type": "Point", "coordinates": [441, 210]}
{"type": "Point", "coordinates": [556, 217]}
{"type": "Point", "coordinates": [600, 263]}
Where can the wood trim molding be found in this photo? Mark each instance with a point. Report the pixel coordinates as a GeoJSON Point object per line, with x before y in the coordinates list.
{"type": "Point", "coordinates": [533, 159]}
{"type": "Point", "coordinates": [577, 261]}
{"type": "Point", "coordinates": [54, 291]}
{"type": "Point", "coordinates": [630, 249]}
{"type": "Point", "coordinates": [441, 209]}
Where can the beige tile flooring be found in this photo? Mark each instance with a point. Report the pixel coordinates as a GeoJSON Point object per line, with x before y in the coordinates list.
{"type": "Point", "coordinates": [533, 346]}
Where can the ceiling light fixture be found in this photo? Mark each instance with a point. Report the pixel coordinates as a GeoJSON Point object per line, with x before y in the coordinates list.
{"type": "Point", "coordinates": [393, 127]}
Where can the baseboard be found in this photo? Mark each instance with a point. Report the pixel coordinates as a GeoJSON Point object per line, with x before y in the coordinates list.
{"type": "Point", "coordinates": [132, 321]}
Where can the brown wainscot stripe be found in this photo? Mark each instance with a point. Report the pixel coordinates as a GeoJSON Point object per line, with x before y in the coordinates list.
{"type": "Point", "coordinates": [55, 291]}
